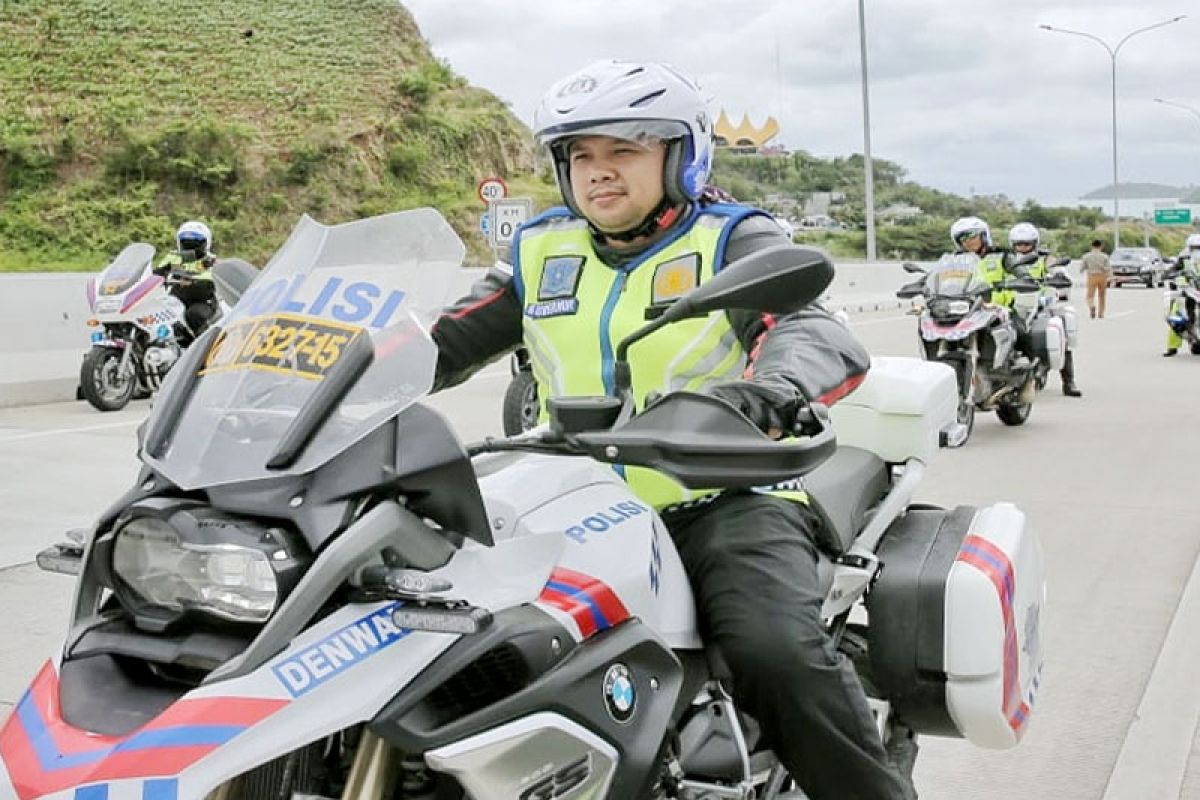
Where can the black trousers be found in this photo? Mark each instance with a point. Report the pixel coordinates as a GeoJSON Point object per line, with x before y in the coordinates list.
{"type": "Point", "coordinates": [752, 562]}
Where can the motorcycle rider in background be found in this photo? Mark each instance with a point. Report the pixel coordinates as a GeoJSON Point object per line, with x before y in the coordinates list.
{"type": "Point", "coordinates": [193, 256]}
{"type": "Point", "coordinates": [972, 235]}
{"type": "Point", "coordinates": [1023, 239]}
{"type": "Point", "coordinates": [1187, 270]}
{"type": "Point", "coordinates": [632, 147]}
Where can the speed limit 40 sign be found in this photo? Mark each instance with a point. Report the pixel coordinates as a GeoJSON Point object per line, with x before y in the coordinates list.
{"type": "Point", "coordinates": [492, 189]}
{"type": "Point", "coordinates": [505, 217]}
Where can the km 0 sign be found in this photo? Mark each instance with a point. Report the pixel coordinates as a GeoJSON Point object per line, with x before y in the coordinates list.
{"type": "Point", "coordinates": [505, 217]}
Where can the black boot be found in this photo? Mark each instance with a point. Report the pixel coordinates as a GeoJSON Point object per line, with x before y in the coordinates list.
{"type": "Point", "coordinates": [1170, 352]}
{"type": "Point", "coordinates": [1067, 373]}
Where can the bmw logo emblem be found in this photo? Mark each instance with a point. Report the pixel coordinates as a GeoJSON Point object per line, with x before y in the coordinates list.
{"type": "Point", "coordinates": [620, 696]}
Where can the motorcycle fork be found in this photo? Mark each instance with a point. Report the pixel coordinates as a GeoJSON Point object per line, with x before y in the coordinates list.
{"type": "Point", "coordinates": [374, 771]}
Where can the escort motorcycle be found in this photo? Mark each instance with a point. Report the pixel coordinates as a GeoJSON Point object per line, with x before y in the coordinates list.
{"type": "Point", "coordinates": [1181, 299]}
{"type": "Point", "coordinates": [138, 328]}
{"type": "Point", "coordinates": [958, 326]}
{"type": "Point", "coordinates": [313, 590]}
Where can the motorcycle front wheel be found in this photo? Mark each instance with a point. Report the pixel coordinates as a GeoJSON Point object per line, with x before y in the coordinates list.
{"type": "Point", "coordinates": [520, 404]}
{"type": "Point", "coordinates": [101, 383]}
{"type": "Point", "coordinates": [1014, 413]}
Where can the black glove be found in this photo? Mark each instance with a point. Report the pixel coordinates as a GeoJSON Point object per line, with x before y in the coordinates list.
{"type": "Point", "coordinates": [773, 412]}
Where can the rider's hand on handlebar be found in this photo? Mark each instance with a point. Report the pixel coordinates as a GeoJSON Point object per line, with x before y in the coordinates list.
{"type": "Point", "coordinates": [772, 413]}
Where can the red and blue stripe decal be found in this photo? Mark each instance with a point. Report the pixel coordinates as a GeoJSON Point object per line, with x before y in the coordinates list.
{"type": "Point", "coordinates": [143, 289]}
{"type": "Point", "coordinates": [45, 754]}
{"type": "Point", "coordinates": [591, 603]}
{"type": "Point", "coordinates": [995, 565]}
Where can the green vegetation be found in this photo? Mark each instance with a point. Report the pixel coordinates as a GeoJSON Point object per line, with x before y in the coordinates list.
{"type": "Point", "coordinates": [121, 118]}
{"type": "Point", "coordinates": [778, 181]}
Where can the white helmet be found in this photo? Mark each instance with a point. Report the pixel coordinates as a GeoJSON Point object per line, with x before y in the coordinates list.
{"type": "Point", "coordinates": [1023, 233]}
{"type": "Point", "coordinates": [965, 227]}
{"type": "Point", "coordinates": [1193, 242]}
{"type": "Point", "coordinates": [630, 100]}
{"type": "Point", "coordinates": [194, 235]}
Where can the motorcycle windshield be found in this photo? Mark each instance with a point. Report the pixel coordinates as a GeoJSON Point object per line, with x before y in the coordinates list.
{"type": "Point", "coordinates": [955, 275]}
{"type": "Point", "coordinates": [332, 299]}
{"type": "Point", "coordinates": [125, 270]}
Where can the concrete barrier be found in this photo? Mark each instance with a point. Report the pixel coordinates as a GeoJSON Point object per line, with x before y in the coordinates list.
{"type": "Point", "coordinates": [43, 331]}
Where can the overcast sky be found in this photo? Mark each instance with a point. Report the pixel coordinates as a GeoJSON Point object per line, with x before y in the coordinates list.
{"type": "Point", "coordinates": [965, 94]}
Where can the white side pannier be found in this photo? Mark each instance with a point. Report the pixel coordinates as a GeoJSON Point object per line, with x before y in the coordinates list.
{"type": "Point", "coordinates": [955, 622]}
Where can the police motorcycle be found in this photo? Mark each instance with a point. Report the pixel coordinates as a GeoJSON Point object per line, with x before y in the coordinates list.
{"type": "Point", "coordinates": [1183, 290]}
{"type": "Point", "coordinates": [138, 329]}
{"type": "Point", "coordinates": [313, 590]}
{"type": "Point", "coordinates": [958, 326]}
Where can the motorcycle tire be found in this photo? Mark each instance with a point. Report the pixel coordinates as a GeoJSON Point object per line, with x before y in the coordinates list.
{"type": "Point", "coordinates": [1014, 413]}
{"type": "Point", "coordinates": [96, 375]}
{"type": "Point", "coordinates": [521, 409]}
{"type": "Point", "coordinates": [1195, 348]}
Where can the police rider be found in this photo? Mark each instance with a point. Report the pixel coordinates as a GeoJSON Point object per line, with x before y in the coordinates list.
{"type": "Point", "coordinates": [1187, 270]}
{"type": "Point", "coordinates": [1023, 239]}
{"type": "Point", "coordinates": [973, 235]}
{"type": "Point", "coordinates": [192, 263]}
{"type": "Point", "coordinates": [631, 145]}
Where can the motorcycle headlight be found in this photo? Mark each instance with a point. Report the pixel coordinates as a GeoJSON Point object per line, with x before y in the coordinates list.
{"type": "Point", "coordinates": [959, 306]}
{"type": "Point", "coordinates": [197, 560]}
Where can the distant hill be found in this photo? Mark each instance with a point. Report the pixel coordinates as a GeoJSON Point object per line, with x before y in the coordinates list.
{"type": "Point", "coordinates": [121, 118]}
{"type": "Point", "coordinates": [1139, 191]}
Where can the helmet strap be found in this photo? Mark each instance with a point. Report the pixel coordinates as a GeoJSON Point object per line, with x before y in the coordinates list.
{"type": "Point", "coordinates": [662, 217]}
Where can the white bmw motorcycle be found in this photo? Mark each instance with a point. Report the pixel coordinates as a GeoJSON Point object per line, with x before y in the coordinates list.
{"type": "Point", "coordinates": [314, 591]}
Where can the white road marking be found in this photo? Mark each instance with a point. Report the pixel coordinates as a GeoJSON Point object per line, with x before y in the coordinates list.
{"type": "Point", "coordinates": [1120, 314]}
{"type": "Point", "coordinates": [63, 431]}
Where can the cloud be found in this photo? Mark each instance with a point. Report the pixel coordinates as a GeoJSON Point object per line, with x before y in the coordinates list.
{"type": "Point", "coordinates": [963, 94]}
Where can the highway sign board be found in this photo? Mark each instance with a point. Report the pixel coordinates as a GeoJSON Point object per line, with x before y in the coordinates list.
{"type": "Point", "coordinates": [492, 188]}
{"type": "Point", "coordinates": [506, 216]}
{"type": "Point", "coordinates": [1172, 216]}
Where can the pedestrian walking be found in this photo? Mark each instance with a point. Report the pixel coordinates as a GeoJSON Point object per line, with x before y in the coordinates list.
{"type": "Point", "coordinates": [1099, 272]}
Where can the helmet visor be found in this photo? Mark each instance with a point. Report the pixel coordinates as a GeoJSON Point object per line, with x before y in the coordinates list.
{"type": "Point", "coordinates": [645, 132]}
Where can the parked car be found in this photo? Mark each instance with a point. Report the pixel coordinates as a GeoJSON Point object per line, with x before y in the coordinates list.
{"type": "Point", "coordinates": [1137, 265]}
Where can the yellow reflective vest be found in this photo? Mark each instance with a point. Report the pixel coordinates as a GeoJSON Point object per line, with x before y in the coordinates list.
{"type": "Point", "coordinates": [577, 309]}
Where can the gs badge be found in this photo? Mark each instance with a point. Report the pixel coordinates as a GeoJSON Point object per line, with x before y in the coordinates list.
{"type": "Point", "coordinates": [560, 277]}
{"type": "Point", "coordinates": [675, 278]}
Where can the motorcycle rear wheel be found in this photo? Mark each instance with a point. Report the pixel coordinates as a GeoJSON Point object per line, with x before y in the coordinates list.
{"type": "Point", "coordinates": [99, 382]}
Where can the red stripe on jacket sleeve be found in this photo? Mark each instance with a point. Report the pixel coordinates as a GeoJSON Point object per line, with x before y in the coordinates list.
{"type": "Point", "coordinates": [478, 304]}
{"type": "Point", "coordinates": [769, 323]}
{"type": "Point", "coordinates": [841, 390]}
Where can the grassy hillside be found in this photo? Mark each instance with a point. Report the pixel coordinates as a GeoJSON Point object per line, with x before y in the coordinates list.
{"type": "Point", "coordinates": [121, 118]}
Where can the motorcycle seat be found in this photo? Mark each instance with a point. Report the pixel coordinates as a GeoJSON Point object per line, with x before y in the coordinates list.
{"type": "Point", "coordinates": [842, 491]}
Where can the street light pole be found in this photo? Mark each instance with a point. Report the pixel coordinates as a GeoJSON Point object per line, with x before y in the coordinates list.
{"type": "Point", "coordinates": [868, 169]}
{"type": "Point", "coordinates": [1112, 54]}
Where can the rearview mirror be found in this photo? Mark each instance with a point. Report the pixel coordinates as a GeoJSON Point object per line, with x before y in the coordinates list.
{"type": "Point", "coordinates": [232, 277]}
{"type": "Point", "coordinates": [914, 268]}
{"type": "Point", "coordinates": [910, 290]}
{"type": "Point", "coordinates": [1062, 262]}
{"type": "Point", "coordinates": [1059, 281]}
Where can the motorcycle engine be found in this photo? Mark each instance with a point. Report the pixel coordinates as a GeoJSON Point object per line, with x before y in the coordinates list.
{"type": "Point", "coordinates": [157, 361]}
